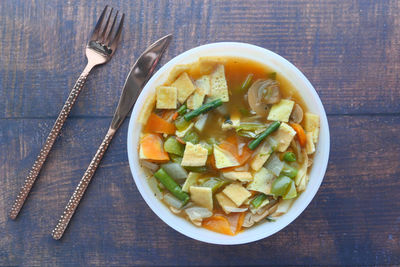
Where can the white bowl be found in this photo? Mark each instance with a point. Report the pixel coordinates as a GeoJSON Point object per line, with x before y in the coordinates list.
{"type": "Point", "coordinates": [282, 67]}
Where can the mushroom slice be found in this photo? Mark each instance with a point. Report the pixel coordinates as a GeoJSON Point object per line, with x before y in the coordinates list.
{"type": "Point", "coordinates": [297, 114]}
{"type": "Point", "coordinates": [263, 93]}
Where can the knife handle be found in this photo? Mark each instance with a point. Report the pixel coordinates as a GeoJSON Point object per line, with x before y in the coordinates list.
{"type": "Point", "coordinates": [81, 188]}
{"type": "Point", "coordinates": [41, 158]}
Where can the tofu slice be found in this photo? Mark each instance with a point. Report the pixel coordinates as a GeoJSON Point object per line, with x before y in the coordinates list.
{"type": "Point", "coordinates": [223, 158]}
{"type": "Point", "coordinates": [190, 180]}
{"type": "Point", "coordinates": [225, 202]}
{"type": "Point", "coordinates": [303, 168]}
{"type": "Point", "coordinates": [261, 155]}
{"type": "Point", "coordinates": [176, 71]}
{"type": "Point", "coordinates": [262, 181]}
{"type": "Point", "coordinates": [196, 99]}
{"type": "Point", "coordinates": [303, 183]}
{"type": "Point", "coordinates": [281, 111]}
{"type": "Point", "coordinates": [284, 135]}
{"type": "Point", "coordinates": [204, 84]}
{"type": "Point", "coordinates": [147, 108]}
{"type": "Point", "coordinates": [240, 176]}
{"type": "Point", "coordinates": [166, 97]}
{"type": "Point", "coordinates": [283, 207]}
{"type": "Point", "coordinates": [237, 193]}
{"type": "Point", "coordinates": [202, 196]}
{"type": "Point", "coordinates": [310, 147]}
{"type": "Point", "coordinates": [219, 87]}
{"type": "Point", "coordinates": [194, 155]}
{"type": "Point", "coordinates": [312, 124]}
{"type": "Point", "coordinates": [184, 86]}
{"type": "Point", "coordinates": [208, 64]}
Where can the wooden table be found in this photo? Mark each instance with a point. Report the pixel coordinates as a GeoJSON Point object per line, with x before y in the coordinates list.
{"type": "Point", "coordinates": [348, 49]}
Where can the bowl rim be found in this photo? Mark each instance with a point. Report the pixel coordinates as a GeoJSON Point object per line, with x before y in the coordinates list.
{"type": "Point", "coordinates": [257, 233]}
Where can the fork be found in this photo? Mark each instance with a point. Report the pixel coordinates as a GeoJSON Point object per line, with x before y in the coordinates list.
{"type": "Point", "coordinates": [99, 50]}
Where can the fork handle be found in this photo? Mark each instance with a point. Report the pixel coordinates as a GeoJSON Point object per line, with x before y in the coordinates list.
{"type": "Point", "coordinates": [81, 188]}
{"type": "Point", "coordinates": [41, 158]}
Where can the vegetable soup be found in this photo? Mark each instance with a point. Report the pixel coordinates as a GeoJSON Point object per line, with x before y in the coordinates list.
{"type": "Point", "coordinates": [227, 143]}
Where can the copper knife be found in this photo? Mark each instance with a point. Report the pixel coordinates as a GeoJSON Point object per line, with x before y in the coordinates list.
{"type": "Point", "coordinates": [137, 78]}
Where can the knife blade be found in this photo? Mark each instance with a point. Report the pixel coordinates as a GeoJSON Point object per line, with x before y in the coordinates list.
{"type": "Point", "coordinates": [137, 78]}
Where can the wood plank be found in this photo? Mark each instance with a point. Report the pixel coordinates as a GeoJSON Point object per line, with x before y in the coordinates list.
{"type": "Point", "coordinates": [354, 219]}
{"type": "Point", "coordinates": [348, 49]}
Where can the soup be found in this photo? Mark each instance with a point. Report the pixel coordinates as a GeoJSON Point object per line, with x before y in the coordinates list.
{"type": "Point", "coordinates": [227, 143]}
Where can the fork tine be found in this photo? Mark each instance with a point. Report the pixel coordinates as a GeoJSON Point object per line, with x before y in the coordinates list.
{"type": "Point", "coordinates": [103, 34]}
{"type": "Point", "coordinates": [107, 41]}
{"type": "Point", "coordinates": [117, 37]}
{"type": "Point", "coordinates": [96, 30]}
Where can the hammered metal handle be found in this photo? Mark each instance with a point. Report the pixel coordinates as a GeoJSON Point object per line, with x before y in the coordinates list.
{"type": "Point", "coordinates": [41, 158]}
{"type": "Point", "coordinates": [81, 188]}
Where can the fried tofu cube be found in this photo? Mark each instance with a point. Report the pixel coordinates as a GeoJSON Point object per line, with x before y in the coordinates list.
{"type": "Point", "coordinates": [185, 87]}
{"type": "Point", "coordinates": [311, 124]}
{"type": "Point", "coordinates": [166, 97]}
{"type": "Point", "coordinates": [240, 176]}
{"type": "Point", "coordinates": [202, 196]}
{"type": "Point", "coordinates": [261, 155]}
{"type": "Point", "coordinates": [204, 84]}
{"type": "Point", "coordinates": [237, 193]}
{"type": "Point", "coordinates": [262, 181]}
{"type": "Point", "coordinates": [310, 147]}
{"type": "Point", "coordinates": [223, 158]}
{"type": "Point", "coordinates": [281, 111]}
{"type": "Point", "coordinates": [219, 87]}
{"type": "Point", "coordinates": [196, 99]}
{"type": "Point", "coordinates": [146, 109]}
{"type": "Point", "coordinates": [194, 155]}
{"type": "Point", "coordinates": [225, 202]}
{"type": "Point", "coordinates": [284, 135]}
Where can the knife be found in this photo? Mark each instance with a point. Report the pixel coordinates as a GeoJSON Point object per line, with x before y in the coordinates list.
{"type": "Point", "coordinates": [137, 78]}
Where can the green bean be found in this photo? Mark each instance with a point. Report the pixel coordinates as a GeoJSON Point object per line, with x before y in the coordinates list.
{"type": "Point", "coordinates": [256, 202]}
{"type": "Point", "coordinates": [171, 185]}
{"type": "Point", "coordinates": [247, 82]}
{"type": "Point", "coordinates": [196, 168]}
{"type": "Point", "coordinates": [204, 108]}
{"type": "Point", "coordinates": [289, 157]}
{"type": "Point", "coordinates": [182, 110]}
{"type": "Point", "coordinates": [273, 127]}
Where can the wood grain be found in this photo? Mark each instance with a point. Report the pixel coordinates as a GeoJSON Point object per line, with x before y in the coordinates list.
{"type": "Point", "coordinates": [348, 50]}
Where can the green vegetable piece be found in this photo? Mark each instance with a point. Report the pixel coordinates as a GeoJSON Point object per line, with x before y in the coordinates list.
{"type": "Point", "coordinates": [212, 141]}
{"type": "Point", "coordinates": [246, 83]}
{"type": "Point", "coordinates": [280, 185]}
{"type": "Point", "coordinates": [176, 158]}
{"type": "Point", "coordinates": [270, 219]}
{"type": "Point", "coordinates": [272, 128]}
{"type": "Point", "coordinates": [272, 75]}
{"type": "Point", "coordinates": [258, 200]}
{"type": "Point", "coordinates": [207, 146]}
{"type": "Point", "coordinates": [204, 108]}
{"type": "Point", "coordinates": [192, 137]}
{"type": "Point", "coordinates": [289, 171]}
{"type": "Point", "coordinates": [289, 157]}
{"type": "Point", "coordinates": [196, 168]}
{"type": "Point", "coordinates": [181, 124]}
{"type": "Point", "coordinates": [171, 185]}
{"type": "Point", "coordinates": [182, 110]}
{"type": "Point", "coordinates": [291, 191]}
{"type": "Point", "coordinates": [214, 183]}
{"type": "Point", "coordinates": [172, 146]}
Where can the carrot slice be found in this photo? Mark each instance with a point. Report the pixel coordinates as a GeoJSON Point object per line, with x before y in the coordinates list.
{"type": "Point", "coordinates": [240, 222]}
{"type": "Point", "coordinates": [176, 114]}
{"type": "Point", "coordinates": [231, 144]}
{"type": "Point", "coordinates": [218, 224]}
{"type": "Point", "coordinates": [301, 135]}
{"type": "Point", "coordinates": [156, 124]}
{"type": "Point", "coordinates": [151, 147]}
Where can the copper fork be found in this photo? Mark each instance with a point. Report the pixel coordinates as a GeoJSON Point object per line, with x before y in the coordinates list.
{"type": "Point", "coordinates": [99, 50]}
